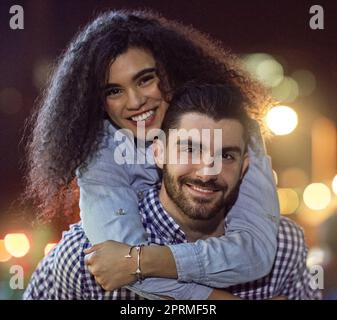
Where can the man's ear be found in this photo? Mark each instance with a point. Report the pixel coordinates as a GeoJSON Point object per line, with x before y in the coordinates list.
{"type": "Point", "coordinates": [158, 150]}
{"type": "Point", "coordinates": [245, 164]}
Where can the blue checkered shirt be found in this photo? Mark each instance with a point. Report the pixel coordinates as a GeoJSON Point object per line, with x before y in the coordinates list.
{"type": "Point", "coordinates": [64, 275]}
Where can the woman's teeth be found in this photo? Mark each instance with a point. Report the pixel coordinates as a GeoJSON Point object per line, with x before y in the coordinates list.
{"type": "Point", "coordinates": [144, 116]}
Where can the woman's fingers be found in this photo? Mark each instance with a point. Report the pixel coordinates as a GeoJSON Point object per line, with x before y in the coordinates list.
{"type": "Point", "coordinates": [91, 249]}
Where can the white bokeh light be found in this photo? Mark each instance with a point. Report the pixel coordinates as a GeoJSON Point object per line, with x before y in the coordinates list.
{"type": "Point", "coordinates": [282, 120]}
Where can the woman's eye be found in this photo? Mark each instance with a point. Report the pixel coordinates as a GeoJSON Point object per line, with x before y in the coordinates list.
{"type": "Point", "coordinates": [145, 80]}
{"type": "Point", "coordinates": [113, 92]}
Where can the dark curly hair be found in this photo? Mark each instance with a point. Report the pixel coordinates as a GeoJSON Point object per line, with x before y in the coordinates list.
{"type": "Point", "coordinates": [66, 127]}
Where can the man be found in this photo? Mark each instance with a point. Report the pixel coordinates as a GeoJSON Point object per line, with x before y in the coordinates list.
{"type": "Point", "coordinates": [192, 204]}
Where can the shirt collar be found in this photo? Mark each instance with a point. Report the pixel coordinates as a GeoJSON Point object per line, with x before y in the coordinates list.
{"type": "Point", "coordinates": [162, 224]}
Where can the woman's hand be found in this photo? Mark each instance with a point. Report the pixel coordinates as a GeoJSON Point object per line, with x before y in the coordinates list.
{"type": "Point", "coordinates": [108, 264]}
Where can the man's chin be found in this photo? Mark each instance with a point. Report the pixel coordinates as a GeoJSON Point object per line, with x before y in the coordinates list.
{"type": "Point", "coordinates": [200, 210]}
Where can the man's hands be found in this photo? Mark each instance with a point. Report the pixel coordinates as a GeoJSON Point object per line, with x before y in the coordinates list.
{"type": "Point", "coordinates": [107, 262]}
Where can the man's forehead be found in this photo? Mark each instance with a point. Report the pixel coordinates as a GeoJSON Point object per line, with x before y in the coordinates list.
{"type": "Point", "coordinates": [231, 130]}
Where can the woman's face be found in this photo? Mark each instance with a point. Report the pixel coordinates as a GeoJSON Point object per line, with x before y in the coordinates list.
{"type": "Point", "coordinates": [132, 93]}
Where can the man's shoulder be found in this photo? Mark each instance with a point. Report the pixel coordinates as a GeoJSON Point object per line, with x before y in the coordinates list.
{"type": "Point", "coordinates": [291, 246]}
{"type": "Point", "coordinates": [290, 232]}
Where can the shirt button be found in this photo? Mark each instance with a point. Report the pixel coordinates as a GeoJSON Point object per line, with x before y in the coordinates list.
{"type": "Point", "coordinates": [140, 195]}
{"type": "Point", "coordinates": [120, 212]}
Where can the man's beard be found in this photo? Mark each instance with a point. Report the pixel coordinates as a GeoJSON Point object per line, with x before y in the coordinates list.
{"type": "Point", "coordinates": [198, 208]}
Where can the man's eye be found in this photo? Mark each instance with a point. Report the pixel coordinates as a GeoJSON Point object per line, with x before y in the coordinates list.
{"type": "Point", "coordinates": [112, 92]}
{"type": "Point", "coordinates": [193, 150]}
{"type": "Point", "coordinates": [228, 157]}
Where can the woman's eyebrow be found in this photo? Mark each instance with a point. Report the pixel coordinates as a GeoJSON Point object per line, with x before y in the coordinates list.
{"type": "Point", "coordinates": [134, 78]}
{"type": "Point", "coordinates": [142, 72]}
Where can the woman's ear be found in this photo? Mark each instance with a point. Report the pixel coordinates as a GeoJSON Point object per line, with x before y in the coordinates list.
{"type": "Point", "coordinates": [158, 150]}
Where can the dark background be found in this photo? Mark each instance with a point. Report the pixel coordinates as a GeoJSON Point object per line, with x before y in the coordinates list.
{"type": "Point", "coordinates": [280, 28]}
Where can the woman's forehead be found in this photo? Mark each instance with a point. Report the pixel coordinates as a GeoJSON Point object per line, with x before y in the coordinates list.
{"type": "Point", "coordinates": [128, 64]}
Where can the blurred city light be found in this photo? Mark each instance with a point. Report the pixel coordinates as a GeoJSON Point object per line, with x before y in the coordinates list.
{"type": "Point", "coordinates": [334, 185]}
{"type": "Point", "coordinates": [323, 149]}
{"type": "Point", "coordinates": [306, 81]}
{"type": "Point", "coordinates": [41, 71]}
{"type": "Point", "coordinates": [270, 73]}
{"type": "Point", "coordinates": [264, 68]}
{"type": "Point", "coordinates": [316, 256]}
{"type": "Point", "coordinates": [317, 196]}
{"type": "Point", "coordinates": [49, 247]}
{"type": "Point", "coordinates": [17, 244]}
{"type": "Point", "coordinates": [293, 178]}
{"type": "Point", "coordinates": [289, 200]}
{"type": "Point", "coordinates": [286, 91]}
{"type": "Point", "coordinates": [4, 255]}
{"type": "Point", "coordinates": [281, 120]}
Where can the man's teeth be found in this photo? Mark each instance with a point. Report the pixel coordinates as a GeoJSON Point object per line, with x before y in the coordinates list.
{"type": "Point", "coordinates": [202, 190]}
{"type": "Point", "coordinates": [143, 116]}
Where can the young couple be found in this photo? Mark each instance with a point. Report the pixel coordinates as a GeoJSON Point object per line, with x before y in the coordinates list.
{"type": "Point", "coordinates": [165, 229]}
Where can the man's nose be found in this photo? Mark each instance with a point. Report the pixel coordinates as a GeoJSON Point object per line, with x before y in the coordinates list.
{"type": "Point", "coordinates": [135, 99]}
{"type": "Point", "coordinates": [210, 166]}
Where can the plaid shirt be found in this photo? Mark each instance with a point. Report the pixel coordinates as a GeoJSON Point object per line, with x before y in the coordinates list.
{"type": "Point", "coordinates": [64, 275]}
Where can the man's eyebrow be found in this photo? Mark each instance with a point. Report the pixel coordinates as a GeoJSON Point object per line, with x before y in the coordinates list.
{"type": "Point", "coordinates": [134, 78]}
{"type": "Point", "coordinates": [232, 149]}
{"type": "Point", "coordinates": [187, 142]}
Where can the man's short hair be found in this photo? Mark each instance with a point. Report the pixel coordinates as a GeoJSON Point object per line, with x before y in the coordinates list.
{"type": "Point", "coordinates": [216, 101]}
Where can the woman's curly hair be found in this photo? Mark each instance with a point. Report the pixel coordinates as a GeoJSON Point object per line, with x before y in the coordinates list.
{"type": "Point", "coordinates": [66, 127]}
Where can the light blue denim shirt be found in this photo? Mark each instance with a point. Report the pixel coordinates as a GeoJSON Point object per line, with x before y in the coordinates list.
{"type": "Point", "coordinates": [109, 193]}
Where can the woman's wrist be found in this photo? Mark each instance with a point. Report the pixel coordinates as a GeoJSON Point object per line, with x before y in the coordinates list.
{"type": "Point", "coordinates": [158, 261]}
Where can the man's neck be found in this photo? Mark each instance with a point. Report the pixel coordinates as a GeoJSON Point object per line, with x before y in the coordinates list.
{"type": "Point", "coordinates": [193, 229]}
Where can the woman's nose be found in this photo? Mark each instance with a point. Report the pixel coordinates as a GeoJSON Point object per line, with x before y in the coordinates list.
{"type": "Point", "coordinates": [135, 99]}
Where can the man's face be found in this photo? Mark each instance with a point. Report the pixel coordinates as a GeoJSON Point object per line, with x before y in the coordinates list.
{"type": "Point", "coordinates": [197, 193]}
{"type": "Point", "coordinates": [132, 92]}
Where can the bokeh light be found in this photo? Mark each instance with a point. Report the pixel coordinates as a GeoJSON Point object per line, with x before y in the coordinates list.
{"type": "Point", "coordinates": [334, 185]}
{"type": "Point", "coordinates": [48, 248]}
{"type": "Point", "coordinates": [317, 196]}
{"type": "Point", "coordinates": [41, 72]}
{"type": "Point", "coordinates": [286, 91]}
{"type": "Point", "coordinates": [289, 200]}
{"type": "Point", "coordinates": [316, 256]}
{"type": "Point", "coordinates": [4, 255]}
{"type": "Point", "coordinates": [264, 68]}
{"type": "Point", "coordinates": [306, 81]}
{"type": "Point", "coordinates": [17, 244]}
{"type": "Point", "coordinates": [294, 178]}
{"type": "Point", "coordinates": [270, 73]}
{"type": "Point", "coordinates": [282, 120]}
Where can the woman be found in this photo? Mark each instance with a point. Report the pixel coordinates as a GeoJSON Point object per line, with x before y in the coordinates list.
{"type": "Point", "coordinates": [120, 71]}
